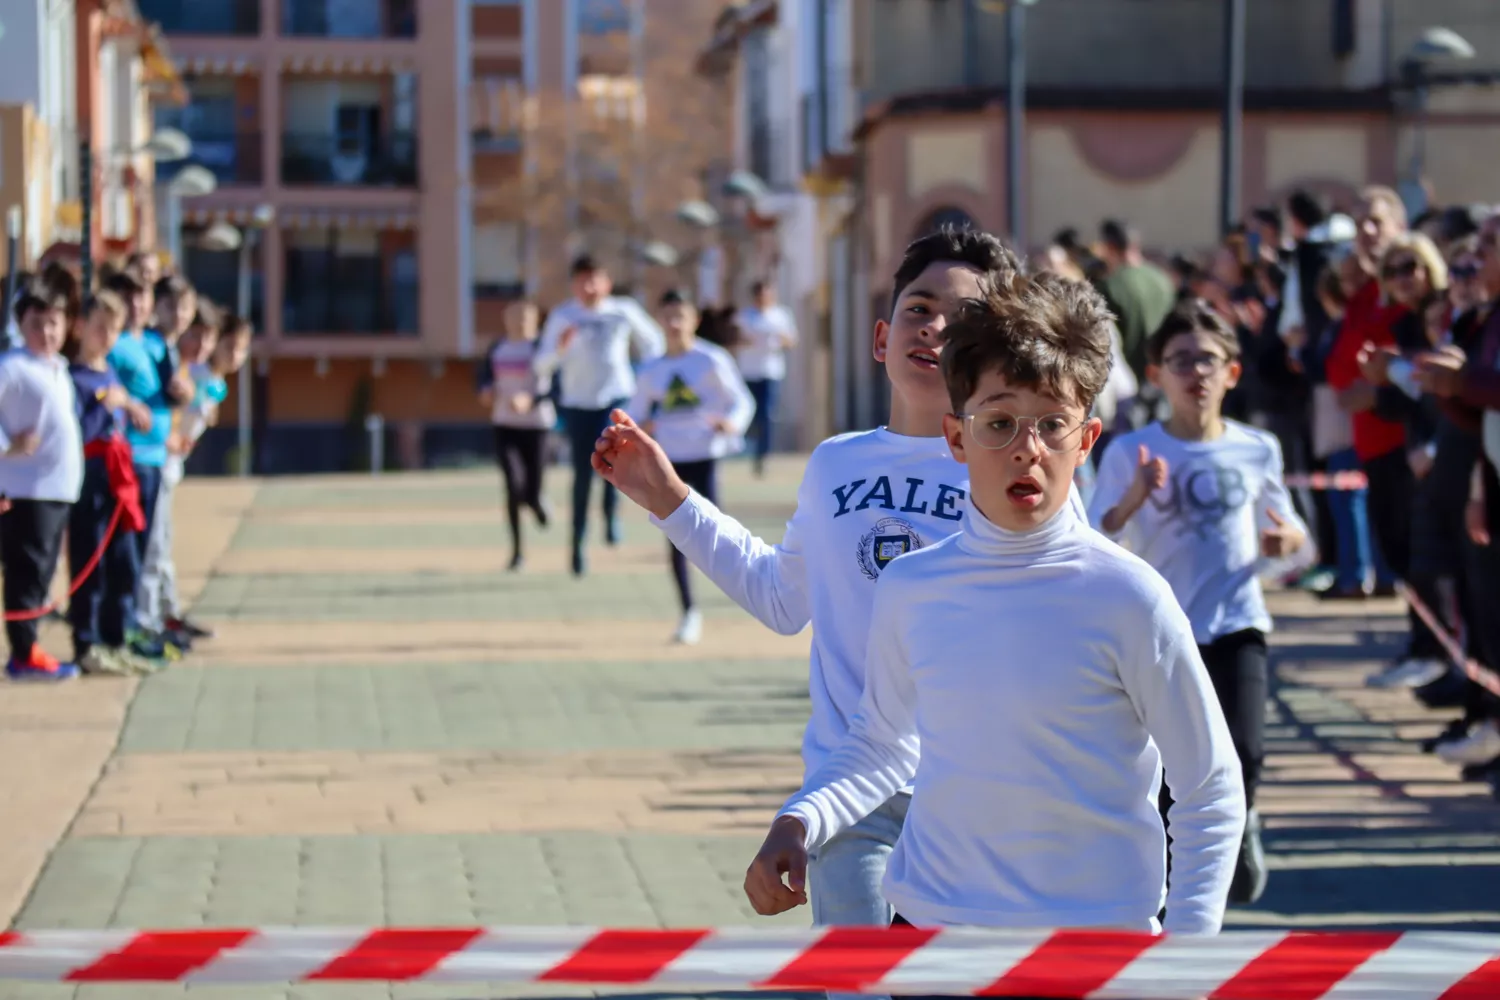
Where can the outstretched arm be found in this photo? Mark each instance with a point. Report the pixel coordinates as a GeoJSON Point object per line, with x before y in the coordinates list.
{"type": "Point", "coordinates": [769, 581]}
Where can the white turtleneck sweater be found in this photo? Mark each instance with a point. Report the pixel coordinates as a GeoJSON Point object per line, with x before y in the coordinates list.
{"type": "Point", "coordinates": [1042, 679]}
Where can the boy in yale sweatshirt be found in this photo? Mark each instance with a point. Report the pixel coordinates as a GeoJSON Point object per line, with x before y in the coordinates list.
{"type": "Point", "coordinates": [866, 498]}
{"type": "Point", "coordinates": [1202, 500]}
{"type": "Point", "coordinates": [1040, 673]}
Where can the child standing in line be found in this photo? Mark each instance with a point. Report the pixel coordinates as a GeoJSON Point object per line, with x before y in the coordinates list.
{"type": "Point", "coordinates": [1201, 499]}
{"type": "Point", "coordinates": [1030, 674]}
{"type": "Point", "coordinates": [103, 603]}
{"type": "Point", "coordinates": [866, 499]}
{"type": "Point", "coordinates": [41, 473]}
{"type": "Point", "coordinates": [693, 401]}
{"type": "Point", "coordinates": [522, 415]}
{"type": "Point", "coordinates": [176, 310]}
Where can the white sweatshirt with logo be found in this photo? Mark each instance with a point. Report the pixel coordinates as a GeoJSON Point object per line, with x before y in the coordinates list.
{"type": "Point", "coordinates": [594, 367]}
{"type": "Point", "coordinates": [866, 498]}
{"type": "Point", "coordinates": [1034, 684]}
{"type": "Point", "coordinates": [684, 396]}
{"type": "Point", "coordinates": [1202, 529]}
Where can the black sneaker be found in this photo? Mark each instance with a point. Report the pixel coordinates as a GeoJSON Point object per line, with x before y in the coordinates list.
{"type": "Point", "coordinates": [1449, 691]}
{"type": "Point", "coordinates": [580, 564]}
{"type": "Point", "coordinates": [189, 628]}
{"type": "Point", "coordinates": [516, 563]}
{"type": "Point", "coordinates": [1250, 873]}
{"type": "Point", "coordinates": [1457, 729]}
{"type": "Point", "coordinates": [177, 637]}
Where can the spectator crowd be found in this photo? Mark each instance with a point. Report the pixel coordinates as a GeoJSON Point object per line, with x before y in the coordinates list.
{"type": "Point", "coordinates": [1370, 348]}
{"type": "Point", "coordinates": [101, 401]}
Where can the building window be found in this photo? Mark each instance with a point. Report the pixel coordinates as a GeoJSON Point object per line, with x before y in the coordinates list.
{"type": "Point", "coordinates": [499, 260]}
{"type": "Point", "coordinates": [603, 17]}
{"type": "Point", "coordinates": [359, 281]}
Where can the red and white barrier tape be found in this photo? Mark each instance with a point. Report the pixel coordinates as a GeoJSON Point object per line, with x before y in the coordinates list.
{"type": "Point", "coordinates": [1476, 671]}
{"type": "Point", "coordinates": [1248, 965]}
{"type": "Point", "coordinates": [1354, 480]}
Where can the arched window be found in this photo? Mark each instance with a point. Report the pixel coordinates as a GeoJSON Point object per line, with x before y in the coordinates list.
{"type": "Point", "coordinates": [949, 217]}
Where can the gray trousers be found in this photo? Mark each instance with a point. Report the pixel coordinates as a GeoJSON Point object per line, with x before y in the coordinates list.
{"type": "Point", "coordinates": [156, 594]}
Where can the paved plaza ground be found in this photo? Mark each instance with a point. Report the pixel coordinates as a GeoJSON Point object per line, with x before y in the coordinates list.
{"type": "Point", "coordinates": [390, 729]}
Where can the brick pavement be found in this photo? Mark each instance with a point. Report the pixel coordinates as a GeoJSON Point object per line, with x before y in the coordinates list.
{"type": "Point", "coordinates": [391, 730]}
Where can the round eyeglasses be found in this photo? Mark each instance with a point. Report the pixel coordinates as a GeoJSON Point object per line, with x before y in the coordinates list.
{"type": "Point", "coordinates": [994, 430]}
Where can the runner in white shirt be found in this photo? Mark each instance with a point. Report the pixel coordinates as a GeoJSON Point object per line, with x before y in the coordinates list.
{"type": "Point", "coordinates": [1031, 675]}
{"type": "Point", "coordinates": [693, 401]}
{"type": "Point", "coordinates": [767, 332]}
{"type": "Point", "coordinates": [866, 498]}
{"type": "Point", "coordinates": [590, 341]}
{"type": "Point", "coordinates": [1202, 500]}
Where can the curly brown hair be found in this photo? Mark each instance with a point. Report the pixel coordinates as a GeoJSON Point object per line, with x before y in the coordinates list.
{"type": "Point", "coordinates": [1044, 332]}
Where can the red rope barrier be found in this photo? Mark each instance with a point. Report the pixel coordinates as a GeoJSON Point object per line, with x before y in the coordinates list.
{"type": "Point", "coordinates": [32, 614]}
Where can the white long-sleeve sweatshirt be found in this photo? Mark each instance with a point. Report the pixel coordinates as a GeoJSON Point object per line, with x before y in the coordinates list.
{"type": "Point", "coordinates": [595, 364]}
{"type": "Point", "coordinates": [684, 396]}
{"type": "Point", "coordinates": [865, 499]}
{"type": "Point", "coordinates": [1202, 529]}
{"type": "Point", "coordinates": [1046, 677]}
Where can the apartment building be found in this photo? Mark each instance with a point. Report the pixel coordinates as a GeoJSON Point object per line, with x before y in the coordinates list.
{"type": "Point", "coordinates": [404, 173]}
{"type": "Point", "coordinates": [903, 123]}
{"type": "Point", "coordinates": [78, 85]}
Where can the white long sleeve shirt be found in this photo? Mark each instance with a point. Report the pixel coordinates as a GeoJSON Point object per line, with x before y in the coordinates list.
{"type": "Point", "coordinates": [595, 365]}
{"type": "Point", "coordinates": [685, 396]}
{"type": "Point", "coordinates": [762, 355]}
{"type": "Point", "coordinates": [37, 396]}
{"type": "Point", "coordinates": [866, 498]}
{"type": "Point", "coordinates": [1202, 529]}
{"type": "Point", "coordinates": [1034, 684]}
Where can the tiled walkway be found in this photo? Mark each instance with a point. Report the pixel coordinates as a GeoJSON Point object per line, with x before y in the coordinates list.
{"type": "Point", "coordinates": [390, 729]}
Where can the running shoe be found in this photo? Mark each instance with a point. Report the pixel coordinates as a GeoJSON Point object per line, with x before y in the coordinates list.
{"type": "Point", "coordinates": [190, 628]}
{"type": "Point", "coordinates": [690, 629]}
{"type": "Point", "coordinates": [152, 647]}
{"type": "Point", "coordinates": [1412, 672]}
{"type": "Point", "coordinates": [40, 666]}
{"type": "Point", "coordinates": [137, 664]}
{"type": "Point", "coordinates": [1480, 745]}
{"type": "Point", "coordinates": [101, 661]}
{"type": "Point", "coordinates": [1250, 875]}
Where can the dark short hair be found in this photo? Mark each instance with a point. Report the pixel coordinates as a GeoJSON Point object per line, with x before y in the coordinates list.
{"type": "Point", "coordinates": [209, 313]}
{"type": "Point", "coordinates": [1192, 316]}
{"type": "Point", "coordinates": [1307, 208]}
{"type": "Point", "coordinates": [39, 295]}
{"type": "Point", "coordinates": [1044, 332]}
{"type": "Point", "coordinates": [758, 286]}
{"type": "Point", "coordinates": [584, 264]}
{"type": "Point", "coordinates": [1118, 235]}
{"type": "Point", "coordinates": [172, 288]}
{"type": "Point", "coordinates": [232, 325]}
{"type": "Point", "coordinates": [674, 297]}
{"type": "Point", "coordinates": [982, 251]}
{"type": "Point", "coordinates": [1267, 216]}
{"type": "Point", "coordinates": [124, 284]}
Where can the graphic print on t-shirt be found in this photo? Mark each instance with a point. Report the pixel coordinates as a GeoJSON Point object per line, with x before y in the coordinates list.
{"type": "Point", "coordinates": [889, 538]}
{"type": "Point", "coordinates": [680, 397]}
{"type": "Point", "coordinates": [894, 536]}
{"type": "Point", "coordinates": [1202, 495]}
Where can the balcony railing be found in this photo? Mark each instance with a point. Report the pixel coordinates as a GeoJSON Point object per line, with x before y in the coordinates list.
{"type": "Point", "coordinates": [322, 159]}
{"type": "Point", "coordinates": [348, 18]}
{"type": "Point", "coordinates": [507, 291]}
{"type": "Point", "coordinates": [233, 158]}
{"type": "Point", "coordinates": [204, 17]}
{"type": "Point", "coordinates": [490, 141]}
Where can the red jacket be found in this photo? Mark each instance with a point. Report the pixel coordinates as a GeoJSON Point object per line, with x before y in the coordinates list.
{"type": "Point", "coordinates": [122, 482]}
{"type": "Point", "coordinates": [1367, 321]}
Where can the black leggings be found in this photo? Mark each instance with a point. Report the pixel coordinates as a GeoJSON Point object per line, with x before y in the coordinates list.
{"type": "Point", "coordinates": [1389, 498]}
{"type": "Point", "coordinates": [702, 477]}
{"type": "Point", "coordinates": [518, 452]}
{"type": "Point", "coordinates": [1237, 667]}
{"type": "Point", "coordinates": [583, 428]}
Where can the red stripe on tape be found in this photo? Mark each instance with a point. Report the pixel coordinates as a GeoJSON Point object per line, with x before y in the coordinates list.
{"type": "Point", "coordinates": [8, 938]}
{"type": "Point", "coordinates": [1071, 963]}
{"type": "Point", "coordinates": [160, 956]}
{"type": "Point", "coordinates": [396, 955]}
{"type": "Point", "coordinates": [623, 957]}
{"type": "Point", "coordinates": [850, 958]}
{"type": "Point", "coordinates": [1481, 984]}
{"type": "Point", "coordinates": [1304, 966]}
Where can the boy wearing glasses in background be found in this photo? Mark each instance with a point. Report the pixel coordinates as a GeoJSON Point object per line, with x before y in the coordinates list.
{"type": "Point", "coordinates": [1203, 501]}
{"type": "Point", "coordinates": [1031, 675]}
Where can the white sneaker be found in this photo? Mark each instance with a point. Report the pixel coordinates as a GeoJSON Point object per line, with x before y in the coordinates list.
{"type": "Point", "coordinates": [690, 629]}
{"type": "Point", "coordinates": [1480, 746]}
{"type": "Point", "coordinates": [1408, 673]}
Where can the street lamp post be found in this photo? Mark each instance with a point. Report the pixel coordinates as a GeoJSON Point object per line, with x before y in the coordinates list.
{"type": "Point", "coordinates": [1015, 121]}
{"type": "Point", "coordinates": [1234, 107]}
{"type": "Point", "coordinates": [1434, 43]}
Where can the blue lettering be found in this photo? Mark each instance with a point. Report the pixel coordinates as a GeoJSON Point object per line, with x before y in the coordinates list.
{"type": "Point", "coordinates": [947, 499]}
{"type": "Point", "coordinates": [912, 486]}
{"type": "Point", "coordinates": [882, 491]}
{"type": "Point", "coordinates": [843, 493]}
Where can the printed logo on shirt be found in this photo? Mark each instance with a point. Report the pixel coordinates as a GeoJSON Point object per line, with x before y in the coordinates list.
{"type": "Point", "coordinates": [679, 396]}
{"type": "Point", "coordinates": [889, 539]}
{"type": "Point", "coordinates": [1203, 496]}
{"type": "Point", "coordinates": [918, 497]}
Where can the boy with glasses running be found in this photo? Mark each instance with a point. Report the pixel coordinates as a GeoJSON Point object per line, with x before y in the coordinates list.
{"type": "Point", "coordinates": [1201, 499]}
